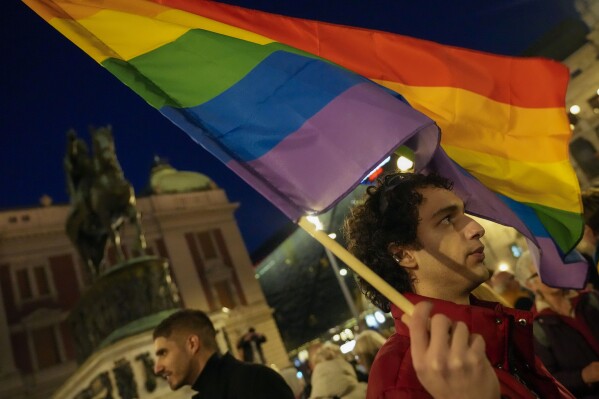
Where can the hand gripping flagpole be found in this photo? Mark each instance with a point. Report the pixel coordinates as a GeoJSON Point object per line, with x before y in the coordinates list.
{"type": "Point", "coordinates": [364, 271]}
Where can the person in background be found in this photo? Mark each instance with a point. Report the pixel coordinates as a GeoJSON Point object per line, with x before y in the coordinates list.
{"type": "Point", "coordinates": [588, 244]}
{"type": "Point", "coordinates": [505, 284]}
{"type": "Point", "coordinates": [333, 376]}
{"type": "Point", "coordinates": [250, 344]}
{"type": "Point", "coordinates": [566, 331]}
{"type": "Point", "coordinates": [187, 354]}
{"type": "Point", "coordinates": [368, 343]}
{"type": "Point", "coordinates": [412, 231]}
{"type": "Point", "coordinates": [312, 350]}
{"type": "Point", "coordinates": [588, 249]}
{"type": "Point", "coordinates": [295, 381]}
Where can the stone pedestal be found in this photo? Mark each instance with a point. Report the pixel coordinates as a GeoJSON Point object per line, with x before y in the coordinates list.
{"type": "Point", "coordinates": [116, 303]}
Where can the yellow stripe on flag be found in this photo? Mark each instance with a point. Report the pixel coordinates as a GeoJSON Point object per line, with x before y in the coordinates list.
{"type": "Point", "coordinates": [129, 31]}
{"type": "Point", "coordinates": [474, 122]}
{"type": "Point", "coordinates": [527, 182]}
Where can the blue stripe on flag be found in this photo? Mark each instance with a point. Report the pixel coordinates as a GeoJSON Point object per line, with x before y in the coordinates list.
{"type": "Point", "coordinates": [272, 101]}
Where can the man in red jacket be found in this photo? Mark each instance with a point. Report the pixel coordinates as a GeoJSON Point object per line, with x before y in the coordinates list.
{"type": "Point", "coordinates": [413, 232]}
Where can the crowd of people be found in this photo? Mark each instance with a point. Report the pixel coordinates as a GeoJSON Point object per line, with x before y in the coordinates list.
{"type": "Point", "coordinates": [533, 341]}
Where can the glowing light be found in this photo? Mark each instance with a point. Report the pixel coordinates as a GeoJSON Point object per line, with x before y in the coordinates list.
{"type": "Point", "coordinates": [377, 168]}
{"type": "Point", "coordinates": [379, 316]}
{"type": "Point", "coordinates": [503, 267]}
{"type": "Point", "coordinates": [343, 272]}
{"type": "Point", "coordinates": [302, 355]}
{"type": "Point", "coordinates": [336, 337]}
{"type": "Point", "coordinates": [348, 346]}
{"type": "Point", "coordinates": [333, 235]}
{"type": "Point", "coordinates": [299, 375]}
{"type": "Point", "coordinates": [225, 309]}
{"type": "Point", "coordinates": [404, 164]}
{"type": "Point", "coordinates": [315, 221]}
{"type": "Point", "coordinates": [575, 109]}
{"type": "Point", "coordinates": [371, 321]}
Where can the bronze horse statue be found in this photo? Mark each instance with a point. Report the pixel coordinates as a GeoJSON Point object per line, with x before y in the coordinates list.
{"type": "Point", "coordinates": [101, 199]}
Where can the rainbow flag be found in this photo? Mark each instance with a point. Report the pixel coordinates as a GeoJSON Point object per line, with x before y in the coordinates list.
{"type": "Point", "coordinates": [279, 117]}
{"type": "Point", "coordinates": [288, 104]}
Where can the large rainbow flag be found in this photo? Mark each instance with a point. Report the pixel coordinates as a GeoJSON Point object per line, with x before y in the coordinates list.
{"type": "Point", "coordinates": [289, 105]}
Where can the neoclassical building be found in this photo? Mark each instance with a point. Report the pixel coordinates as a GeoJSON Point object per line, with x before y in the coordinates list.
{"type": "Point", "coordinates": [189, 222]}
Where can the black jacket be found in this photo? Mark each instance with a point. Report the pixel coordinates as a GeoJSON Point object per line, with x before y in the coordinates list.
{"type": "Point", "coordinates": [225, 377]}
{"type": "Point", "coordinates": [562, 344]}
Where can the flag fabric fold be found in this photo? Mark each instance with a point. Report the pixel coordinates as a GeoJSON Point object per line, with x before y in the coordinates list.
{"type": "Point", "coordinates": [502, 118]}
{"type": "Point", "coordinates": [303, 110]}
{"type": "Point", "coordinates": [283, 119]}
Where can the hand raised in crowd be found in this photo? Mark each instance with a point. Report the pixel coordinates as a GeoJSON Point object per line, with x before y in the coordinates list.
{"type": "Point", "coordinates": [590, 374]}
{"type": "Point", "coordinates": [449, 361]}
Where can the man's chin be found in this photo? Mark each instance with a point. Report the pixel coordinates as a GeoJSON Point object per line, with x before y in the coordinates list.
{"type": "Point", "coordinates": [175, 385]}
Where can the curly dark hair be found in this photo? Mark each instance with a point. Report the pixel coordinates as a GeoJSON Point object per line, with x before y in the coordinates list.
{"type": "Point", "coordinates": [388, 214]}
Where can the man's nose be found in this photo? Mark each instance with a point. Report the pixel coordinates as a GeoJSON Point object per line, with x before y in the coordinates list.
{"type": "Point", "coordinates": [158, 368]}
{"type": "Point", "coordinates": [474, 229]}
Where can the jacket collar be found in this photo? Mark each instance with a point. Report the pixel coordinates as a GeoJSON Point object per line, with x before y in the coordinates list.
{"type": "Point", "coordinates": [210, 379]}
{"type": "Point", "coordinates": [489, 319]}
{"type": "Point", "coordinates": [452, 310]}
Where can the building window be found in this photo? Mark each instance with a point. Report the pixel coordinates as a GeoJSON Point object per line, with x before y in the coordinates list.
{"type": "Point", "coordinates": [45, 345]}
{"type": "Point", "coordinates": [214, 269]}
{"type": "Point", "coordinates": [24, 284]}
{"type": "Point", "coordinates": [33, 282]}
{"type": "Point", "coordinates": [207, 245]}
{"type": "Point", "coordinates": [41, 280]}
{"type": "Point", "coordinates": [224, 294]}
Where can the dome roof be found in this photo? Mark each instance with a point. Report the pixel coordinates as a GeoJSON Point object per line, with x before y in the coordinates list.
{"type": "Point", "coordinates": [164, 179]}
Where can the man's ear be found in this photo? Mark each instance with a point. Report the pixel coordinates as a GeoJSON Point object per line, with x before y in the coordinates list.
{"type": "Point", "coordinates": [193, 343]}
{"type": "Point", "coordinates": [404, 257]}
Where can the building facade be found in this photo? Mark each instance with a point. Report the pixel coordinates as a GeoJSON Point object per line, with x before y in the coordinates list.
{"type": "Point", "coordinates": [42, 279]}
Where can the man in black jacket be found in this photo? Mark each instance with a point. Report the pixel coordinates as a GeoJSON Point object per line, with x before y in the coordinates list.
{"type": "Point", "coordinates": [187, 354]}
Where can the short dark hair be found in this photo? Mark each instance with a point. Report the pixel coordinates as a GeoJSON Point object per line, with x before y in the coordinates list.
{"type": "Point", "coordinates": [188, 320]}
{"type": "Point", "coordinates": [590, 204]}
{"type": "Point", "coordinates": [388, 214]}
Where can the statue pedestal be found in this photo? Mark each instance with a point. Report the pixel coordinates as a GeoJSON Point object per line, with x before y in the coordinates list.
{"type": "Point", "coordinates": [119, 301]}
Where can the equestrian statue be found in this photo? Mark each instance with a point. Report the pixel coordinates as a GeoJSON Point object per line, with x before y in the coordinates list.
{"type": "Point", "coordinates": [101, 199]}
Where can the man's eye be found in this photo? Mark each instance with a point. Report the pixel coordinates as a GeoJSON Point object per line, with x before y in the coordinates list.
{"type": "Point", "coordinates": [447, 220]}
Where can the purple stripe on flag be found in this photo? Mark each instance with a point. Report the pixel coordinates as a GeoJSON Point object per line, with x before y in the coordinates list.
{"type": "Point", "coordinates": [334, 150]}
{"type": "Point", "coordinates": [555, 273]}
{"type": "Point", "coordinates": [478, 199]}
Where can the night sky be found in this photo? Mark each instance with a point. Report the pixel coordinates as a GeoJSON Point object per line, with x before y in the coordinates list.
{"type": "Point", "coordinates": [49, 86]}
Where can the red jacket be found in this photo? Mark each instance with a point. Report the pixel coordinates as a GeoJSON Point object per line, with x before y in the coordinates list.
{"type": "Point", "coordinates": [509, 342]}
